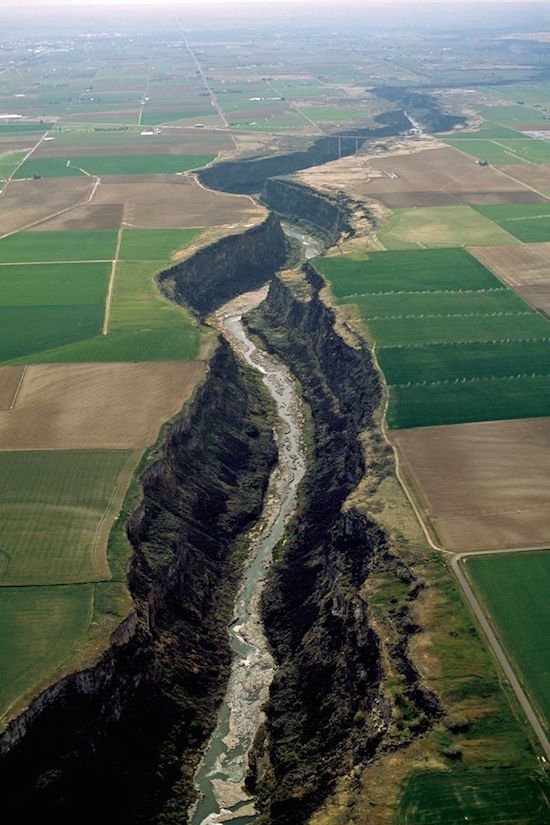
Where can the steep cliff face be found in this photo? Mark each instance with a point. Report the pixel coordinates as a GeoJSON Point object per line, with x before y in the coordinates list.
{"type": "Point", "coordinates": [425, 108]}
{"type": "Point", "coordinates": [328, 709]}
{"type": "Point", "coordinates": [117, 735]}
{"type": "Point", "coordinates": [326, 215]}
{"type": "Point", "coordinates": [232, 265]}
{"type": "Point", "coordinates": [250, 175]}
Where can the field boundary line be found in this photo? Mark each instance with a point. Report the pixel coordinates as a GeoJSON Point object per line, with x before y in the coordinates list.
{"type": "Point", "coordinates": [18, 388]}
{"type": "Point", "coordinates": [509, 176]}
{"type": "Point", "coordinates": [98, 555]}
{"type": "Point", "coordinates": [110, 289]}
{"type": "Point", "coordinates": [483, 618]}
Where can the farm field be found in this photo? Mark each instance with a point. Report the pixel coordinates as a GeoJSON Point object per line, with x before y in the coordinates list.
{"type": "Point", "coordinates": [529, 223]}
{"type": "Point", "coordinates": [90, 406]}
{"type": "Point", "coordinates": [23, 203]}
{"type": "Point", "coordinates": [433, 270]}
{"type": "Point", "coordinates": [520, 579]}
{"type": "Point", "coordinates": [57, 509]}
{"type": "Point", "coordinates": [468, 351]}
{"type": "Point", "coordinates": [526, 268]}
{"type": "Point", "coordinates": [536, 175]}
{"type": "Point", "coordinates": [154, 244]}
{"type": "Point", "coordinates": [492, 797]}
{"type": "Point", "coordinates": [10, 379]}
{"type": "Point", "coordinates": [440, 177]}
{"type": "Point", "coordinates": [111, 165]}
{"type": "Point", "coordinates": [39, 627]}
{"type": "Point", "coordinates": [442, 226]}
{"type": "Point", "coordinates": [78, 245]}
{"type": "Point", "coordinates": [482, 485]}
{"type": "Point", "coordinates": [509, 151]}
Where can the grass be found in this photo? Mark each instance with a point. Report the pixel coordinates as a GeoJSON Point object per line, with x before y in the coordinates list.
{"type": "Point", "coordinates": [161, 344]}
{"type": "Point", "coordinates": [420, 405]}
{"type": "Point", "coordinates": [27, 330]}
{"type": "Point", "coordinates": [9, 162]}
{"type": "Point", "coordinates": [514, 115]}
{"type": "Point", "coordinates": [39, 628]}
{"type": "Point", "coordinates": [53, 284]}
{"type": "Point", "coordinates": [56, 507]}
{"type": "Point", "coordinates": [433, 329]}
{"type": "Point", "coordinates": [504, 150]}
{"type": "Point", "coordinates": [402, 304]}
{"type": "Point", "coordinates": [514, 589]}
{"type": "Point", "coordinates": [138, 303]}
{"type": "Point", "coordinates": [449, 362]}
{"type": "Point", "coordinates": [406, 271]}
{"type": "Point", "coordinates": [441, 226]}
{"type": "Point", "coordinates": [154, 244]}
{"type": "Point", "coordinates": [529, 223]}
{"type": "Point", "coordinates": [74, 245]}
{"type": "Point", "coordinates": [509, 797]}
{"type": "Point", "coordinates": [448, 356]}
{"type": "Point", "coordinates": [112, 165]}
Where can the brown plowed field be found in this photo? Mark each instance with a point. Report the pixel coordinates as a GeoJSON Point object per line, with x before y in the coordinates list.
{"type": "Point", "coordinates": [170, 201]}
{"type": "Point", "coordinates": [108, 216]}
{"type": "Point", "coordinates": [9, 382]}
{"type": "Point", "coordinates": [536, 175]}
{"type": "Point", "coordinates": [482, 486]}
{"type": "Point", "coordinates": [25, 201]}
{"type": "Point", "coordinates": [524, 267]}
{"type": "Point", "coordinates": [88, 406]}
{"type": "Point", "coordinates": [440, 177]}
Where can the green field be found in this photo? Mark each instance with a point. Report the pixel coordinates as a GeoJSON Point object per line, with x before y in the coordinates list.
{"type": "Point", "coordinates": [418, 270]}
{"type": "Point", "coordinates": [441, 226]}
{"type": "Point", "coordinates": [514, 116]}
{"type": "Point", "coordinates": [54, 508]}
{"type": "Point", "coordinates": [39, 629]}
{"type": "Point", "coordinates": [9, 162]}
{"type": "Point", "coordinates": [138, 303]}
{"type": "Point", "coordinates": [449, 362]}
{"type": "Point", "coordinates": [501, 151]}
{"type": "Point", "coordinates": [112, 165]}
{"type": "Point", "coordinates": [161, 344]}
{"type": "Point", "coordinates": [514, 590]}
{"type": "Point", "coordinates": [403, 304]}
{"type": "Point", "coordinates": [432, 329]}
{"type": "Point", "coordinates": [154, 244]}
{"type": "Point", "coordinates": [25, 330]}
{"type": "Point", "coordinates": [74, 245]}
{"type": "Point", "coordinates": [528, 222]}
{"type": "Point", "coordinates": [420, 405]}
{"type": "Point", "coordinates": [448, 356]}
{"type": "Point", "coordinates": [491, 797]}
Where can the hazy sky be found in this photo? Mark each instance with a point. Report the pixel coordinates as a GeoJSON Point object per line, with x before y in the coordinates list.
{"type": "Point", "coordinates": [7, 4]}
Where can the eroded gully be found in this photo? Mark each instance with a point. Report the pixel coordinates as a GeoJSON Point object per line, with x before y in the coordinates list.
{"type": "Point", "coordinates": [220, 776]}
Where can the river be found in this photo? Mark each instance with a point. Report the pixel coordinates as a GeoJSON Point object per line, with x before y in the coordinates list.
{"type": "Point", "coordinates": [219, 778]}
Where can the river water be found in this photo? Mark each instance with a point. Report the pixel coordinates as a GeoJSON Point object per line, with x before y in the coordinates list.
{"type": "Point", "coordinates": [219, 778]}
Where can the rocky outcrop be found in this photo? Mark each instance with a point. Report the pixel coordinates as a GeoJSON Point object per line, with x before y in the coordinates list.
{"type": "Point", "coordinates": [250, 175]}
{"type": "Point", "coordinates": [425, 108]}
{"type": "Point", "coordinates": [126, 733]}
{"type": "Point", "coordinates": [328, 709]}
{"type": "Point", "coordinates": [324, 214]}
{"type": "Point", "coordinates": [226, 268]}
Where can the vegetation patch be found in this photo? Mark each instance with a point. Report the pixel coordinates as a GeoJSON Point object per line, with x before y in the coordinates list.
{"type": "Point", "coordinates": [514, 590]}
{"type": "Point", "coordinates": [148, 164]}
{"type": "Point", "coordinates": [155, 244]}
{"type": "Point", "coordinates": [493, 796]}
{"type": "Point", "coordinates": [528, 222]}
{"type": "Point", "coordinates": [74, 245]}
{"type": "Point", "coordinates": [56, 511]}
{"type": "Point", "coordinates": [441, 226]}
{"type": "Point", "coordinates": [39, 627]}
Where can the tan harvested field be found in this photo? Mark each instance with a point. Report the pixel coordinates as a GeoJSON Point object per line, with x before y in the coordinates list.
{"type": "Point", "coordinates": [166, 145]}
{"type": "Point", "coordinates": [10, 378]}
{"type": "Point", "coordinates": [536, 175]}
{"type": "Point", "coordinates": [423, 174]}
{"type": "Point", "coordinates": [524, 267]}
{"type": "Point", "coordinates": [24, 201]}
{"type": "Point", "coordinates": [484, 485]}
{"type": "Point", "coordinates": [439, 177]}
{"type": "Point", "coordinates": [92, 406]}
{"type": "Point", "coordinates": [18, 144]}
{"type": "Point", "coordinates": [171, 201]}
{"type": "Point", "coordinates": [106, 216]}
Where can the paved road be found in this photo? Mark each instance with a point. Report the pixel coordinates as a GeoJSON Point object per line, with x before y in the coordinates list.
{"type": "Point", "coordinates": [497, 647]}
{"type": "Point", "coordinates": [213, 97]}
